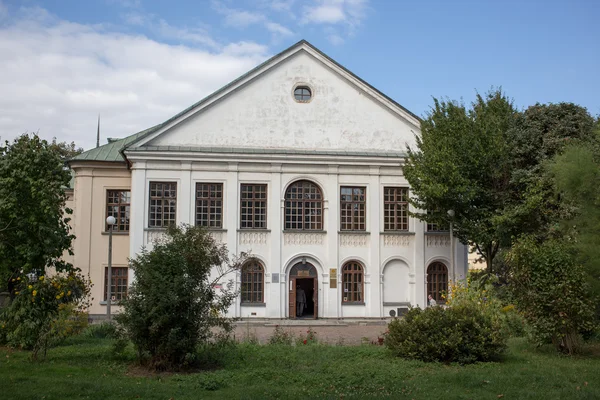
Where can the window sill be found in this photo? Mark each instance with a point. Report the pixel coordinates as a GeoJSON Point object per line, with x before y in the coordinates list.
{"type": "Point", "coordinates": [396, 304]}
{"type": "Point", "coordinates": [408, 233]}
{"type": "Point", "coordinates": [354, 233]}
{"type": "Point", "coordinates": [248, 304]}
{"type": "Point", "coordinates": [112, 303]}
{"type": "Point", "coordinates": [156, 229]}
{"type": "Point", "coordinates": [215, 229]}
{"type": "Point", "coordinates": [303, 231]}
{"type": "Point", "coordinates": [115, 233]}
{"type": "Point", "coordinates": [438, 233]}
{"type": "Point", "coordinates": [254, 230]}
{"type": "Point", "coordinates": [353, 303]}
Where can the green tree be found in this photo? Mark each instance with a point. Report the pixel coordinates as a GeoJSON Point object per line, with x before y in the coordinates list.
{"type": "Point", "coordinates": [463, 163]}
{"type": "Point", "coordinates": [577, 177]}
{"type": "Point", "coordinates": [550, 289]}
{"type": "Point", "coordinates": [66, 150]}
{"type": "Point", "coordinates": [172, 304]}
{"type": "Point", "coordinates": [34, 223]}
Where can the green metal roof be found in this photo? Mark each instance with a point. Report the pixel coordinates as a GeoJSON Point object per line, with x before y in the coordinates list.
{"type": "Point", "coordinates": [111, 150]}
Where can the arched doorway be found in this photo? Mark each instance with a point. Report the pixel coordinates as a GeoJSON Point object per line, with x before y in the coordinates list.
{"type": "Point", "coordinates": [437, 281]}
{"type": "Point", "coordinates": [303, 291]}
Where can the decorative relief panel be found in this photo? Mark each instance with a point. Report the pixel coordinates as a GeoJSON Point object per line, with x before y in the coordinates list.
{"type": "Point", "coordinates": [153, 235]}
{"type": "Point", "coordinates": [438, 241]}
{"type": "Point", "coordinates": [301, 238]}
{"type": "Point", "coordinates": [396, 240]}
{"type": "Point", "coordinates": [353, 240]}
{"type": "Point", "coordinates": [219, 236]}
{"type": "Point", "coordinates": [253, 237]}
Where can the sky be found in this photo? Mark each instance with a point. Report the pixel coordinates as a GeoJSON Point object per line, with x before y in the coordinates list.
{"type": "Point", "coordinates": [139, 62]}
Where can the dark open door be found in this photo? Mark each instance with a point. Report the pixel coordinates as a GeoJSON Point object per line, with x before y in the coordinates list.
{"type": "Point", "coordinates": [315, 296]}
{"type": "Point", "coordinates": [292, 290]}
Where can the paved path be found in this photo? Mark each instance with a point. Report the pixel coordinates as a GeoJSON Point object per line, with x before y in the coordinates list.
{"type": "Point", "coordinates": [351, 334]}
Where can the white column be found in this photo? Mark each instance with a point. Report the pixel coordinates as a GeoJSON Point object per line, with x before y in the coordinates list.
{"type": "Point", "coordinates": [331, 300]}
{"type": "Point", "coordinates": [138, 210]}
{"type": "Point", "coordinates": [276, 305]}
{"type": "Point", "coordinates": [418, 275]}
{"type": "Point", "coordinates": [374, 269]}
{"type": "Point", "coordinates": [232, 218]}
{"type": "Point", "coordinates": [185, 198]}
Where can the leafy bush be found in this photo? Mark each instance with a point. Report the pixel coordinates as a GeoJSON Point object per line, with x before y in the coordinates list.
{"type": "Point", "coordinates": [309, 338]}
{"type": "Point", "coordinates": [102, 330]}
{"type": "Point", "coordinates": [462, 333]}
{"type": "Point", "coordinates": [45, 311]}
{"type": "Point", "coordinates": [483, 292]}
{"type": "Point", "coordinates": [281, 336]}
{"type": "Point", "coordinates": [172, 304]}
{"type": "Point", "coordinates": [550, 289]}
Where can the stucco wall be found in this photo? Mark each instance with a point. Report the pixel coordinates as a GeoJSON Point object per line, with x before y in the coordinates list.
{"type": "Point", "coordinates": [264, 114]}
{"type": "Point", "coordinates": [91, 243]}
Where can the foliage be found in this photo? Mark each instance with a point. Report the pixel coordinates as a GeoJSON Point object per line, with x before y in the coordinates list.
{"type": "Point", "coordinates": [463, 333]}
{"type": "Point", "coordinates": [45, 311]}
{"type": "Point", "coordinates": [172, 303]}
{"type": "Point", "coordinates": [462, 163]}
{"type": "Point", "coordinates": [482, 292]}
{"type": "Point", "coordinates": [576, 174]}
{"type": "Point", "coordinates": [309, 338]}
{"type": "Point", "coordinates": [281, 336]}
{"type": "Point", "coordinates": [550, 289]}
{"type": "Point", "coordinates": [65, 150]}
{"type": "Point", "coordinates": [34, 230]}
{"type": "Point", "coordinates": [102, 330]}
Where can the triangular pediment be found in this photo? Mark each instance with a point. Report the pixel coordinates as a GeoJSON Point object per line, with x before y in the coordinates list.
{"type": "Point", "coordinates": [259, 110]}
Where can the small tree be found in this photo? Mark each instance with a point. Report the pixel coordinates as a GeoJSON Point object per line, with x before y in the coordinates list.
{"type": "Point", "coordinates": [34, 230]}
{"type": "Point", "coordinates": [462, 162]}
{"type": "Point", "coordinates": [172, 303]}
{"type": "Point", "coordinates": [550, 289]}
{"type": "Point", "coordinates": [44, 311]}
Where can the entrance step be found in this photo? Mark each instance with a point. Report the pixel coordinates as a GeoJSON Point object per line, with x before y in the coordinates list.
{"type": "Point", "coordinates": [310, 322]}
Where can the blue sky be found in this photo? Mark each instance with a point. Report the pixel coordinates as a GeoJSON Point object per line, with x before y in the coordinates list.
{"type": "Point", "coordinates": [137, 62]}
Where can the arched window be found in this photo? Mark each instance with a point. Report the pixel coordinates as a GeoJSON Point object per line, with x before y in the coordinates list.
{"type": "Point", "coordinates": [303, 206]}
{"type": "Point", "coordinates": [437, 280]}
{"type": "Point", "coordinates": [253, 278]}
{"type": "Point", "coordinates": [353, 283]}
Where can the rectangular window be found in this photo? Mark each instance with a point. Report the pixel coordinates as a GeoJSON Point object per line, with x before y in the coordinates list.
{"type": "Point", "coordinates": [118, 287]}
{"type": "Point", "coordinates": [431, 227]}
{"type": "Point", "coordinates": [353, 208]}
{"type": "Point", "coordinates": [253, 206]}
{"type": "Point", "coordinates": [209, 205]}
{"type": "Point", "coordinates": [118, 204]}
{"type": "Point", "coordinates": [163, 204]}
{"type": "Point", "coordinates": [395, 209]}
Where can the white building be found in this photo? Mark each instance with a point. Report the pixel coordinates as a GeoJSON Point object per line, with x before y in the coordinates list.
{"type": "Point", "coordinates": [298, 161]}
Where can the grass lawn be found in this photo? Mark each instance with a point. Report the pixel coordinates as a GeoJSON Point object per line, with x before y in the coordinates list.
{"type": "Point", "coordinates": [85, 368]}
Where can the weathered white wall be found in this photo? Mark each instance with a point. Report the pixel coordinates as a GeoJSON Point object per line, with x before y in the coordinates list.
{"type": "Point", "coordinates": [394, 264]}
{"type": "Point", "coordinates": [264, 114]}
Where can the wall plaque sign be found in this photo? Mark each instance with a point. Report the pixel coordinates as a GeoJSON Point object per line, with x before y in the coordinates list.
{"type": "Point", "coordinates": [275, 278]}
{"type": "Point", "coordinates": [333, 278]}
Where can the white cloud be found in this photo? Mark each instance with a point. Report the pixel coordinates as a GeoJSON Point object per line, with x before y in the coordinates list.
{"type": "Point", "coordinates": [276, 28]}
{"type": "Point", "coordinates": [349, 12]}
{"type": "Point", "coordinates": [242, 18]}
{"type": "Point", "coordinates": [56, 76]}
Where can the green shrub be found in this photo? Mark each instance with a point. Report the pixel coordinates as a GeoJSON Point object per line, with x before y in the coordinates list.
{"type": "Point", "coordinates": [45, 311]}
{"type": "Point", "coordinates": [550, 289]}
{"type": "Point", "coordinates": [172, 304]}
{"type": "Point", "coordinates": [103, 330]}
{"type": "Point", "coordinates": [462, 333]}
{"type": "Point", "coordinates": [309, 338]}
{"type": "Point", "coordinates": [281, 336]}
